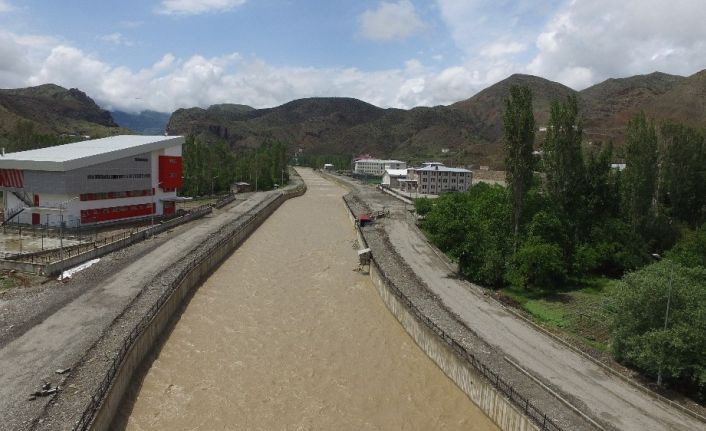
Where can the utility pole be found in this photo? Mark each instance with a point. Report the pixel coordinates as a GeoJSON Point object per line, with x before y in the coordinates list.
{"type": "Point", "coordinates": [666, 313]}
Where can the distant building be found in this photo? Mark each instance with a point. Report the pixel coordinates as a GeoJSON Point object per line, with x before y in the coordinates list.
{"type": "Point", "coordinates": [91, 182]}
{"type": "Point", "coordinates": [618, 166]}
{"type": "Point", "coordinates": [434, 178]}
{"type": "Point", "coordinates": [376, 167]}
{"type": "Point", "coordinates": [392, 177]}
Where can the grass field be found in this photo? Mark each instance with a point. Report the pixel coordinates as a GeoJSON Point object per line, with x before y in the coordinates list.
{"type": "Point", "coordinates": [578, 309]}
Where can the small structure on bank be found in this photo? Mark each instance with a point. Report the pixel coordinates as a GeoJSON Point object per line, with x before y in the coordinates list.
{"type": "Point", "coordinates": [392, 177]}
{"type": "Point", "coordinates": [242, 187]}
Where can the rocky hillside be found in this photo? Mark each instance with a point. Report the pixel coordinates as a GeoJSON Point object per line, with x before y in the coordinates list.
{"type": "Point", "coordinates": [52, 109]}
{"type": "Point", "coordinates": [469, 131]}
{"type": "Point", "coordinates": [487, 106]}
{"type": "Point", "coordinates": [338, 126]}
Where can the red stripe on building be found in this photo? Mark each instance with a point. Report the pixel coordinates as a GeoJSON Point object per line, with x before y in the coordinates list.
{"type": "Point", "coordinates": [11, 178]}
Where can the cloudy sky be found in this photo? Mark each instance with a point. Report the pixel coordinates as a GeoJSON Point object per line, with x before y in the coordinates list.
{"type": "Point", "coordinates": [166, 54]}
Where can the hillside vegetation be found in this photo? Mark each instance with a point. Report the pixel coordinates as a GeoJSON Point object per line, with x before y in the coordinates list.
{"type": "Point", "coordinates": [51, 115]}
{"type": "Point", "coordinates": [471, 130]}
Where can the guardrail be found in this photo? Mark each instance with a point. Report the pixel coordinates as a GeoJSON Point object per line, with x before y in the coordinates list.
{"type": "Point", "coordinates": [520, 401]}
{"type": "Point", "coordinates": [100, 393]}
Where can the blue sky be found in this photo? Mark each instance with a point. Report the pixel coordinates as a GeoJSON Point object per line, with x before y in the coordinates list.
{"type": "Point", "coordinates": [166, 54]}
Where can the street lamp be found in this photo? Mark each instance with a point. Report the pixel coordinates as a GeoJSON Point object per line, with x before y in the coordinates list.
{"type": "Point", "coordinates": [62, 207]}
{"type": "Point", "coordinates": [153, 209]}
{"type": "Point", "coordinates": [666, 313]}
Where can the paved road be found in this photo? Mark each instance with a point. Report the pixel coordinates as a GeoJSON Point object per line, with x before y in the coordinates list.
{"type": "Point", "coordinates": [608, 399]}
{"type": "Point", "coordinates": [61, 339]}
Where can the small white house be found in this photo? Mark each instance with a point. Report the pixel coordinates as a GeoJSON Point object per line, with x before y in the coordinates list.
{"type": "Point", "coordinates": [392, 177]}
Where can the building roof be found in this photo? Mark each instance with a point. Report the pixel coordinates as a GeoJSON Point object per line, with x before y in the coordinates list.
{"type": "Point", "coordinates": [67, 157]}
{"type": "Point", "coordinates": [378, 161]}
{"type": "Point", "coordinates": [437, 168]}
{"type": "Point", "coordinates": [396, 172]}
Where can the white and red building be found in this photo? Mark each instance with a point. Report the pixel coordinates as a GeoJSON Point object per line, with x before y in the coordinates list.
{"type": "Point", "coordinates": [93, 182]}
{"type": "Point", "coordinates": [433, 178]}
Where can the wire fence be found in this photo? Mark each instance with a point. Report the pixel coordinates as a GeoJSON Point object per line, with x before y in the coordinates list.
{"type": "Point", "coordinates": [100, 393]}
{"type": "Point", "coordinates": [57, 255]}
{"type": "Point", "coordinates": [522, 402]}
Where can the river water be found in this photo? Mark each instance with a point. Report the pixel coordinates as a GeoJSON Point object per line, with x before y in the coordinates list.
{"type": "Point", "coordinates": [285, 335]}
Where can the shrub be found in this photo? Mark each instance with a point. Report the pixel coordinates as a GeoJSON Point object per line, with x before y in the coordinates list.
{"type": "Point", "coordinates": [537, 264]}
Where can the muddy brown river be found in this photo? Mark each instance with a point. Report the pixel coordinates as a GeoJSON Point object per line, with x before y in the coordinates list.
{"type": "Point", "coordinates": [285, 335]}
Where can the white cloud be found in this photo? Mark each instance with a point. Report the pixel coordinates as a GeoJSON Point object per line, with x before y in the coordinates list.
{"type": "Point", "coordinates": [116, 39]}
{"type": "Point", "coordinates": [579, 45]}
{"type": "Point", "coordinates": [390, 21]}
{"type": "Point", "coordinates": [5, 6]}
{"type": "Point", "coordinates": [196, 7]}
{"type": "Point", "coordinates": [172, 83]}
{"type": "Point", "coordinates": [503, 48]}
{"type": "Point", "coordinates": [587, 42]}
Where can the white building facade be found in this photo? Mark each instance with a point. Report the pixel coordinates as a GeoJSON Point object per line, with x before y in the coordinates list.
{"type": "Point", "coordinates": [434, 178]}
{"type": "Point", "coordinates": [392, 177]}
{"type": "Point", "coordinates": [376, 167]}
{"type": "Point", "coordinates": [92, 182]}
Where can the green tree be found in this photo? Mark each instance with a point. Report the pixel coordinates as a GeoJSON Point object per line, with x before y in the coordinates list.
{"type": "Point", "coordinates": [519, 129]}
{"type": "Point", "coordinates": [563, 161]}
{"type": "Point", "coordinates": [683, 173]}
{"type": "Point", "coordinates": [690, 250]}
{"type": "Point", "coordinates": [640, 336]}
{"type": "Point", "coordinates": [639, 179]}
{"type": "Point", "coordinates": [473, 227]}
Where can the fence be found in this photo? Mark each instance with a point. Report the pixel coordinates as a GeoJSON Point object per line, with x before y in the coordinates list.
{"type": "Point", "coordinates": [220, 203]}
{"type": "Point", "coordinates": [53, 261]}
{"type": "Point", "coordinates": [99, 395]}
{"type": "Point", "coordinates": [520, 401]}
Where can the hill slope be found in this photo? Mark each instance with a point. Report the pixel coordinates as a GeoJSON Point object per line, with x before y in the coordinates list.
{"type": "Point", "coordinates": [470, 129]}
{"type": "Point", "coordinates": [52, 109]}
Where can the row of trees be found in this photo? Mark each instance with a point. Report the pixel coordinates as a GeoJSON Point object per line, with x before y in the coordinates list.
{"type": "Point", "coordinates": [24, 136]}
{"type": "Point", "coordinates": [340, 163]}
{"type": "Point", "coordinates": [568, 215]}
{"type": "Point", "coordinates": [213, 168]}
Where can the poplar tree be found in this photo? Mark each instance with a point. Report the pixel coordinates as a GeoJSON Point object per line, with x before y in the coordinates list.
{"type": "Point", "coordinates": [519, 129]}
{"type": "Point", "coordinates": [639, 180]}
{"type": "Point", "coordinates": [563, 161]}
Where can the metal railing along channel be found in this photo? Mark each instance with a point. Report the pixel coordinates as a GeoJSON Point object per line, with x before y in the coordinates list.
{"type": "Point", "coordinates": [520, 401]}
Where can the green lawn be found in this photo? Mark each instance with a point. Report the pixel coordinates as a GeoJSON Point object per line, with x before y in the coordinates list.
{"type": "Point", "coordinates": [577, 309]}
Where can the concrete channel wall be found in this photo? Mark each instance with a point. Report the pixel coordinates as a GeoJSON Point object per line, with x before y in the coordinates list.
{"type": "Point", "coordinates": [486, 396]}
{"type": "Point", "coordinates": [149, 335]}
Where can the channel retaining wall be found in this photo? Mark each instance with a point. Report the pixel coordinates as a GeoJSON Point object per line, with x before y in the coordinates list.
{"type": "Point", "coordinates": [451, 361]}
{"type": "Point", "coordinates": [100, 412]}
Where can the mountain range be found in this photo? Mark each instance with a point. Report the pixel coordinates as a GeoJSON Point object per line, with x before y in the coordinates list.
{"type": "Point", "coordinates": [466, 132]}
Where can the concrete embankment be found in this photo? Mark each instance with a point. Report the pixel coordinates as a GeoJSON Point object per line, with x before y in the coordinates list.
{"type": "Point", "coordinates": [455, 363]}
{"type": "Point", "coordinates": [98, 383]}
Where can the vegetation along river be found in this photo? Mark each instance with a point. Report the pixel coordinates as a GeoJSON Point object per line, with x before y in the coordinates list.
{"type": "Point", "coordinates": [285, 335]}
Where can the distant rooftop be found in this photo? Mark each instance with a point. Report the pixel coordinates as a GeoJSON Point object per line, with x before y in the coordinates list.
{"type": "Point", "coordinates": [436, 166]}
{"type": "Point", "coordinates": [396, 172]}
{"type": "Point", "coordinates": [86, 153]}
